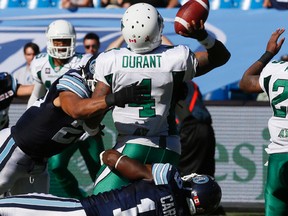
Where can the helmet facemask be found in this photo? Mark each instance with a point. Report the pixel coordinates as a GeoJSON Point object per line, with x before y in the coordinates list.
{"type": "Point", "coordinates": [61, 39]}
{"type": "Point", "coordinates": [61, 52]}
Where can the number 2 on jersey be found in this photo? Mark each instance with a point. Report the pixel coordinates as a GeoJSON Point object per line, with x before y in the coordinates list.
{"type": "Point", "coordinates": [282, 111]}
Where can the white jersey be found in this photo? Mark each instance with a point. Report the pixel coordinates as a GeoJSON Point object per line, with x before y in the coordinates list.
{"type": "Point", "coordinates": [160, 69]}
{"type": "Point", "coordinates": [44, 72]}
{"type": "Point", "coordinates": [274, 81]}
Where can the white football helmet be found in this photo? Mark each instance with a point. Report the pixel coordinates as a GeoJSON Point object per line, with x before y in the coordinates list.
{"type": "Point", "coordinates": [142, 27]}
{"type": "Point", "coordinates": [61, 29]}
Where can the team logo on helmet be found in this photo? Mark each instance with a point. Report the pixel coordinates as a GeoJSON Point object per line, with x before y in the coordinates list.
{"type": "Point", "coordinates": [92, 66]}
{"type": "Point", "coordinates": [200, 179]}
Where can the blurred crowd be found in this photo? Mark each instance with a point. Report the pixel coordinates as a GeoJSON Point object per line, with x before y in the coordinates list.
{"type": "Point", "coordinates": [75, 4]}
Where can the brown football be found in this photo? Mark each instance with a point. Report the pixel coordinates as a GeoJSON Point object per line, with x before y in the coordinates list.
{"type": "Point", "coordinates": [192, 10]}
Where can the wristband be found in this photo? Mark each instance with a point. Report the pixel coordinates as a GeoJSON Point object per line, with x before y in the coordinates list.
{"type": "Point", "coordinates": [266, 57]}
{"type": "Point", "coordinates": [117, 162]}
{"type": "Point", "coordinates": [208, 42]}
{"type": "Point", "coordinates": [110, 100]}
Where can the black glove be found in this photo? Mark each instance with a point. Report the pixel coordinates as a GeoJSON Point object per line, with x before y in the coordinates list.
{"type": "Point", "coordinates": [200, 34]}
{"type": "Point", "coordinates": [130, 94]}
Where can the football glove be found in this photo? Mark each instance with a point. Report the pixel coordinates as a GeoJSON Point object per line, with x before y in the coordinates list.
{"type": "Point", "coordinates": [130, 94]}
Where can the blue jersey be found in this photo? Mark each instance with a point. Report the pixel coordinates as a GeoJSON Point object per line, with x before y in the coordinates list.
{"type": "Point", "coordinates": [162, 196]}
{"type": "Point", "coordinates": [8, 88]}
{"type": "Point", "coordinates": [44, 129]}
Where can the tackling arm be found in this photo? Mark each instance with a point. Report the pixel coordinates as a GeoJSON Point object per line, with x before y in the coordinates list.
{"type": "Point", "coordinates": [250, 79]}
{"type": "Point", "coordinates": [79, 108]}
{"type": "Point", "coordinates": [101, 100]}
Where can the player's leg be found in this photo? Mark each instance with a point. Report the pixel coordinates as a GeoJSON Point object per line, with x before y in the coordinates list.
{"type": "Point", "coordinates": [276, 191]}
{"type": "Point", "coordinates": [38, 183]}
{"type": "Point", "coordinates": [14, 163]}
{"type": "Point", "coordinates": [109, 179]}
{"type": "Point", "coordinates": [40, 204]}
{"type": "Point", "coordinates": [197, 148]}
{"type": "Point", "coordinates": [90, 150]}
{"type": "Point", "coordinates": [58, 165]}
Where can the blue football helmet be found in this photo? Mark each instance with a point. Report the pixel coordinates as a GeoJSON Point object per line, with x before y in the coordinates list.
{"type": "Point", "coordinates": [88, 72]}
{"type": "Point", "coordinates": [203, 194]}
{"type": "Point", "coordinates": [7, 82]}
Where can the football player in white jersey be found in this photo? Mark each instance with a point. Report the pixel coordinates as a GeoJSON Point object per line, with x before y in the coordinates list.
{"type": "Point", "coordinates": [271, 77]}
{"type": "Point", "coordinates": [147, 131]}
{"type": "Point", "coordinates": [60, 57]}
{"type": "Point", "coordinates": [45, 69]}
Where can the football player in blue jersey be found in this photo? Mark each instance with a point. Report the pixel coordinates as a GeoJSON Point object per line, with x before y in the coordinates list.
{"type": "Point", "coordinates": [51, 125]}
{"type": "Point", "coordinates": [9, 88]}
{"type": "Point", "coordinates": [46, 67]}
{"type": "Point", "coordinates": [157, 189]}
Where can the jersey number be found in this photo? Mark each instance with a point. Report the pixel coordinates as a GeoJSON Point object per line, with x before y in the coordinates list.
{"type": "Point", "coordinates": [67, 135]}
{"type": "Point", "coordinates": [280, 112]}
{"type": "Point", "coordinates": [148, 107]}
{"type": "Point", "coordinates": [145, 206]}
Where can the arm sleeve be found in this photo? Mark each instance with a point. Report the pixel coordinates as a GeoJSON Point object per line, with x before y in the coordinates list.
{"type": "Point", "coordinates": [39, 90]}
{"type": "Point", "coordinates": [161, 173]}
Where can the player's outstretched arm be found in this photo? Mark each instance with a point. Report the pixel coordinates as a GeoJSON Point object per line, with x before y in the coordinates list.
{"type": "Point", "coordinates": [129, 168]}
{"type": "Point", "coordinates": [250, 79]}
{"type": "Point", "coordinates": [217, 54]}
{"type": "Point", "coordinates": [101, 100]}
{"type": "Point", "coordinates": [79, 108]}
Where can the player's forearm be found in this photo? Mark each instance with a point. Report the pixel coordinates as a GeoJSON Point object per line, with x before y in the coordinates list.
{"type": "Point", "coordinates": [87, 108]}
{"type": "Point", "coordinates": [216, 56]}
{"type": "Point", "coordinates": [128, 167]}
{"type": "Point", "coordinates": [24, 90]}
{"type": "Point", "coordinates": [250, 79]}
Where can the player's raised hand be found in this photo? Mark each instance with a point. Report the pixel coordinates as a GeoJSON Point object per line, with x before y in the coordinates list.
{"type": "Point", "coordinates": [273, 45]}
{"type": "Point", "coordinates": [195, 31]}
